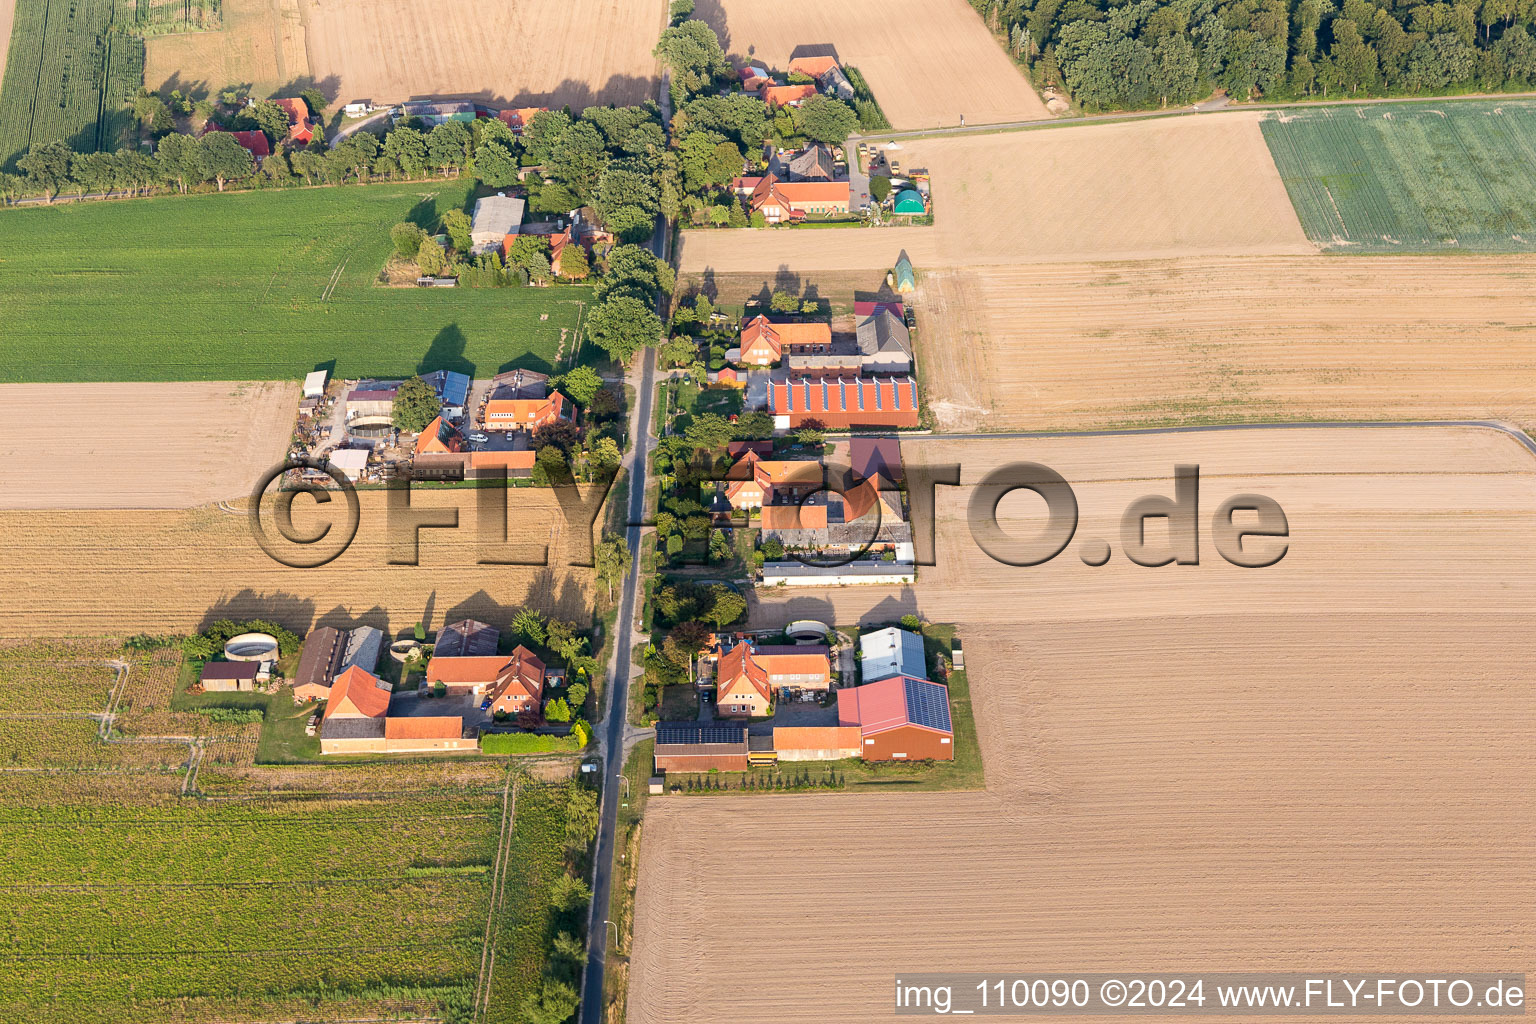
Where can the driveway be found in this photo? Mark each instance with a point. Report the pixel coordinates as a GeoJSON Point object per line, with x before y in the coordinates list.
{"type": "Point", "coordinates": [793, 715]}
{"type": "Point", "coordinates": [409, 704]}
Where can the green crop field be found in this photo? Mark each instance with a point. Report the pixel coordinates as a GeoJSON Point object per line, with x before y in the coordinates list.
{"type": "Point", "coordinates": [1415, 177]}
{"type": "Point", "coordinates": [68, 75]}
{"type": "Point", "coordinates": [254, 286]}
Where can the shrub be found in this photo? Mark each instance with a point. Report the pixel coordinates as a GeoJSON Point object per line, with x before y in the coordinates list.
{"type": "Point", "coordinates": [526, 743]}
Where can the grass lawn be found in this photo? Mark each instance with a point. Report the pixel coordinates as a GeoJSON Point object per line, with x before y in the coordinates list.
{"type": "Point", "coordinates": [679, 703]}
{"type": "Point", "coordinates": [1411, 177]}
{"type": "Point", "coordinates": [256, 286]}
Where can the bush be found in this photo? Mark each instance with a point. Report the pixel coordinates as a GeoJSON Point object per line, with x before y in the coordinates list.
{"type": "Point", "coordinates": [233, 716]}
{"type": "Point", "coordinates": [407, 239]}
{"type": "Point", "coordinates": [526, 743]}
{"type": "Point", "coordinates": [911, 622]}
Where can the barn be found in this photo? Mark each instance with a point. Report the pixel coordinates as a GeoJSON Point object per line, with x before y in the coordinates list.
{"type": "Point", "coordinates": [902, 718]}
{"type": "Point", "coordinates": [700, 747]}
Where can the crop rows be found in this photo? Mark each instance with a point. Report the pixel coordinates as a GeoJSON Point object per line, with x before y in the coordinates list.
{"type": "Point", "coordinates": [229, 288]}
{"type": "Point", "coordinates": [43, 682]}
{"type": "Point", "coordinates": [240, 842]}
{"type": "Point", "coordinates": [1405, 178]}
{"type": "Point", "coordinates": [67, 78]}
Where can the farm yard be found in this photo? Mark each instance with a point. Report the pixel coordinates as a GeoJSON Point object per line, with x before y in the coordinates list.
{"type": "Point", "coordinates": [928, 62]}
{"type": "Point", "coordinates": [68, 74]}
{"type": "Point", "coordinates": [92, 572]}
{"type": "Point", "coordinates": [1358, 708]}
{"type": "Point", "coordinates": [535, 53]}
{"type": "Point", "coordinates": [1122, 191]}
{"type": "Point", "coordinates": [255, 286]}
{"type": "Point", "coordinates": [1412, 177]}
{"type": "Point", "coordinates": [188, 443]}
{"type": "Point", "coordinates": [1087, 346]}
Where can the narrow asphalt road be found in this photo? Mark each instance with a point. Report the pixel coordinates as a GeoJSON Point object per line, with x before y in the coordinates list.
{"type": "Point", "coordinates": [618, 707]}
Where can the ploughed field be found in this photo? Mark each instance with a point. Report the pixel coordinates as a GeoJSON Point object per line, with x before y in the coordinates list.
{"type": "Point", "coordinates": [144, 445]}
{"type": "Point", "coordinates": [1314, 765]}
{"type": "Point", "coordinates": [93, 572]}
{"type": "Point", "coordinates": [928, 62]}
{"type": "Point", "coordinates": [255, 286]}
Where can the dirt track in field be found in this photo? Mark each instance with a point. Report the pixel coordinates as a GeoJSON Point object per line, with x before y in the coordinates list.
{"type": "Point", "coordinates": [927, 62]}
{"type": "Point", "coordinates": [1186, 186]}
{"type": "Point", "coordinates": [531, 53]}
{"type": "Point", "coordinates": [140, 445]}
{"type": "Point", "coordinates": [1083, 346]}
{"type": "Point", "coordinates": [1315, 766]}
{"type": "Point", "coordinates": [122, 573]}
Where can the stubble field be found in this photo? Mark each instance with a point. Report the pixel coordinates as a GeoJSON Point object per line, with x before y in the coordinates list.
{"type": "Point", "coordinates": [258, 41]}
{"type": "Point", "coordinates": [142, 445]}
{"type": "Point", "coordinates": [1314, 765]}
{"type": "Point", "coordinates": [928, 62]}
{"type": "Point", "coordinates": [1186, 186]}
{"type": "Point", "coordinates": [533, 53]}
{"type": "Point", "coordinates": [1087, 346]}
{"type": "Point", "coordinates": [95, 572]}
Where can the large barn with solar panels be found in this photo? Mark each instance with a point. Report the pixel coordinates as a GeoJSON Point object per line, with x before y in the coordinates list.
{"type": "Point", "coordinates": [902, 718]}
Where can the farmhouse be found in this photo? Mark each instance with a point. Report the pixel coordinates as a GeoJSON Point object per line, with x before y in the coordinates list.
{"type": "Point", "coordinates": [517, 118]}
{"type": "Point", "coordinates": [525, 402]}
{"type": "Point", "coordinates": [786, 95]}
{"type": "Point", "coordinates": [300, 127]}
{"type": "Point", "coordinates": [495, 219]}
{"type": "Point", "coordinates": [515, 683]}
{"type": "Point", "coordinates": [754, 482]}
{"type": "Point", "coordinates": [827, 73]}
{"type": "Point", "coordinates": [902, 718]}
{"type": "Point", "coordinates": [253, 142]}
{"type": "Point", "coordinates": [227, 676]}
{"type": "Point", "coordinates": [764, 341]}
{"type": "Point", "coordinates": [885, 344]}
{"type": "Point", "coordinates": [780, 200]}
{"type": "Point", "coordinates": [863, 520]}
{"type": "Point", "coordinates": [700, 747]}
{"type": "Point", "coordinates": [841, 403]}
{"type": "Point", "coordinates": [439, 452]}
{"type": "Point", "coordinates": [892, 652]}
{"type": "Point", "coordinates": [748, 678]}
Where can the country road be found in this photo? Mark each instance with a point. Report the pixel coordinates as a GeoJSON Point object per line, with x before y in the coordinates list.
{"type": "Point", "coordinates": [613, 728]}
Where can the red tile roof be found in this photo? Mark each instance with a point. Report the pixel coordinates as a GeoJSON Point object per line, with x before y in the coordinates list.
{"type": "Point", "coordinates": [737, 671]}
{"type": "Point", "coordinates": [782, 95]}
{"type": "Point", "coordinates": [474, 670]}
{"type": "Point", "coordinates": [410, 728]}
{"type": "Point", "coordinates": [254, 142]}
{"type": "Point", "coordinates": [364, 690]}
{"type": "Point", "coordinates": [524, 673]}
{"type": "Point", "coordinates": [846, 401]}
{"type": "Point", "coordinates": [812, 737]}
{"type": "Point", "coordinates": [813, 66]}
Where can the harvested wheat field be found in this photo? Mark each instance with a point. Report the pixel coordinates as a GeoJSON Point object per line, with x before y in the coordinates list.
{"type": "Point", "coordinates": [928, 62]}
{"type": "Point", "coordinates": [261, 42]}
{"type": "Point", "coordinates": [1140, 190]}
{"type": "Point", "coordinates": [122, 573]}
{"type": "Point", "coordinates": [140, 445]}
{"type": "Point", "coordinates": [1324, 756]}
{"type": "Point", "coordinates": [1084, 346]}
{"type": "Point", "coordinates": [531, 53]}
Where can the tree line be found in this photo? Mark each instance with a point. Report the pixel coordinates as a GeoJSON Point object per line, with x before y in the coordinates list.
{"type": "Point", "coordinates": [1153, 53]}
{"type": "Point", "coordinates": [717, 129]}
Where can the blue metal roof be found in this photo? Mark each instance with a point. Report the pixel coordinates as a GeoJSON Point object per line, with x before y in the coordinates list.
{"type": "Point", "coordinates": [927, 704]}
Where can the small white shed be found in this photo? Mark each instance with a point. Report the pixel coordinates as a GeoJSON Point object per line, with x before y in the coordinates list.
{"type": "Point", "coordinates": [314, 384]}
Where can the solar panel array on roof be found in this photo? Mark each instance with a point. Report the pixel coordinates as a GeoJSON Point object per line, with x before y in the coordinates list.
{"type": "Point", "coordinates": [697, 732]}
{"type": "Point", "coordinates": [928, 704]}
